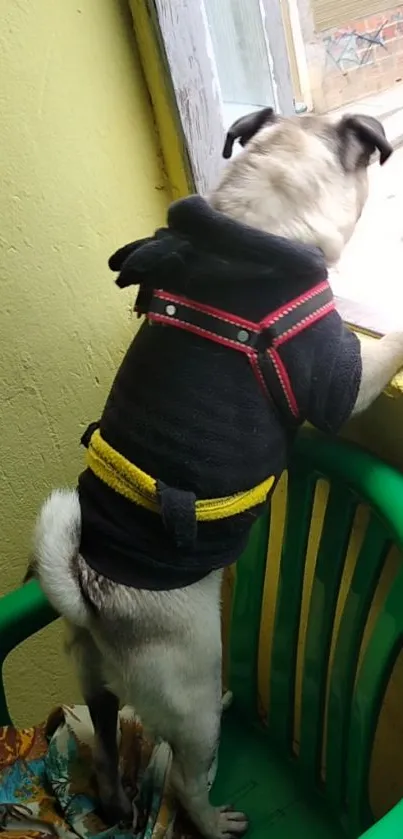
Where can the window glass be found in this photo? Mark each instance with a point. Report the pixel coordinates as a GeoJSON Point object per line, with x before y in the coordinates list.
{"type": "Point", "coordinates": [241, 54]}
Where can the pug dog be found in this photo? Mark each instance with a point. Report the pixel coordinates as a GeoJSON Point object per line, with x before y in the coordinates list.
{"type": "Point", "coordinates": [240, 344]}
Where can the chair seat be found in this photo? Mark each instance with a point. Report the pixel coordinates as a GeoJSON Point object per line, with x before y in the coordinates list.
{"type": "Point", "coordinates": [251, 778]}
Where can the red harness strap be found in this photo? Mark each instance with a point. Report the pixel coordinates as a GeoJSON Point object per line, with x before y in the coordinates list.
{"type": "Point", "coordinates": [258, 341]}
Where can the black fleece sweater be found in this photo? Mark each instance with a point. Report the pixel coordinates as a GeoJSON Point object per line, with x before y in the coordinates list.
{"type": "Point", "coordinates": [190, 412]}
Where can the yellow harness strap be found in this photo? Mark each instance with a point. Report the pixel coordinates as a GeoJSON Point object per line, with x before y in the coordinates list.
{"type": "Point", "coordinates": [128, 480]}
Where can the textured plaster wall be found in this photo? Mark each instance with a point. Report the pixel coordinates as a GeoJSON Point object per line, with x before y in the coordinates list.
{"type": "Point", "coordinates": [80, 174]}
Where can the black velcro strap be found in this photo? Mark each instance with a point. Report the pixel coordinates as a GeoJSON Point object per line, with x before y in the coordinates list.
{"type": "Point", "coordinates": [143, 300]}
{"type": "Point", "coordinates": [178, 513]}
{"type": "Point", "coordinates": [85, 439]}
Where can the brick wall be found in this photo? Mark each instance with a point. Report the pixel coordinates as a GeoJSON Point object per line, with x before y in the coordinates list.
{"type": "Point", "coordinates": [360, 58]}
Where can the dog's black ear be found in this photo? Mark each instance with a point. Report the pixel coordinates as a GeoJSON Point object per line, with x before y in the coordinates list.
{"type": "Point", "coordinates": [246, 127]}
{"type": "Point", "coordinates": [359, 137]}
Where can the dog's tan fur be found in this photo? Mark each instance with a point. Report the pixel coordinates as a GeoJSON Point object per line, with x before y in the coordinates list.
{"type": "Point", "coordinates": [305, 179]}
{"type": "Point", "coordinates": [290, 181]}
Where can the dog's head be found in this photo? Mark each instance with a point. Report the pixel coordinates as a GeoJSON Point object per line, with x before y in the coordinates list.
{"type": "Point", "coordinates": [304, 177]}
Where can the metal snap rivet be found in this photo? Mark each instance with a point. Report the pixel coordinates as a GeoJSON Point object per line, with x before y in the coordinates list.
{"type": "Point", "coordinates": [170, 309]}
{"type": "Point", "coordinates": [243, 336]}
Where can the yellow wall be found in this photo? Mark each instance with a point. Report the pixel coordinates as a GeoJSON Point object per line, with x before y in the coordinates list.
{"type": "Point", "coordinates": [80, 174]}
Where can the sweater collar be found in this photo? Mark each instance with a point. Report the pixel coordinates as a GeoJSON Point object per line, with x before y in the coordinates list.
{"type": "Point", "coordinates": [216, 233]}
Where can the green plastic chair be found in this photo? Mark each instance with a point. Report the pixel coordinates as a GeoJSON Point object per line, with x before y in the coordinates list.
{"type": "Point", "coordinates": [258, 771]}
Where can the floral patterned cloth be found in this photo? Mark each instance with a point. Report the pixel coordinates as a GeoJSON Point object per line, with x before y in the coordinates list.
{"type": "Point", "coordinates": [46, 783]}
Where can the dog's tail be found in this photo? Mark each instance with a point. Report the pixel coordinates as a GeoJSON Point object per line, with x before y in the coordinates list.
{"type": "Point", "coordinates": [57, 543]}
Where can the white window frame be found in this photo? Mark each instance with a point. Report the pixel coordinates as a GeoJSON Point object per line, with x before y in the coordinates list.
{"type": "Point", "coordinates": [182, 30]}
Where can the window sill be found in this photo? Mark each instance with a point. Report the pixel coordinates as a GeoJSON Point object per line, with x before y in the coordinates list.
{"type": "Point", "coordinates": [367, 282]}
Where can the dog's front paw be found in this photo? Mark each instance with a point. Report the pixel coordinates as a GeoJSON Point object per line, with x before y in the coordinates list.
{"type": "Point", "coordinates": [395, 340]}
{"type": "Point", "coordinates": [230, 823]}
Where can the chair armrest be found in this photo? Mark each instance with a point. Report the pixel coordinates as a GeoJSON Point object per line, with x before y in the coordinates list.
{"type": "Point", "coordinates": [23, 612]}
{"type": "Point", "coordinates": [390, 827]}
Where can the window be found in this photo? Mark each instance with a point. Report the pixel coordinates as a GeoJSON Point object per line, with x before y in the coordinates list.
{"type": "Point", "coordinates": [223, 58]}
{"type": "Point", "coordinates": [242, 56]}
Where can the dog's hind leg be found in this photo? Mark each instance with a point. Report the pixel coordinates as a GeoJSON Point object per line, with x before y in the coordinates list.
{"type": "Point", "coordinates": [194, 753]}
{"type": "Point", "coordinates": [177, 692]}
{"type": "Point", "coordinates": [103, 706]}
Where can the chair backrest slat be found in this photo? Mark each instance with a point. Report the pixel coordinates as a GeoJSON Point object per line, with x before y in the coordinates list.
{"type": "Point", "coordinates": [379, 659]}
{"type": "Point", "coordinates": [339, 515]}
{"type": "Point", "coordinates": [246, 616]}
{"type": "Point", "coordinates": [369, 564]}
{"type": "Point", "coordinates": [301, 491]}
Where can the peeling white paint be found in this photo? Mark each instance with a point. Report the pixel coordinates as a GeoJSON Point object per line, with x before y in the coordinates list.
{"type": "Point", "coordinates": [211, 56]}
{"type": "Point", "coordinates": [269, 57]}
